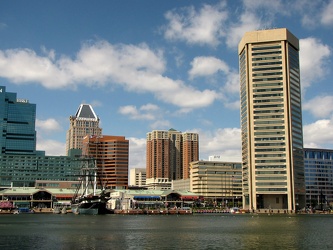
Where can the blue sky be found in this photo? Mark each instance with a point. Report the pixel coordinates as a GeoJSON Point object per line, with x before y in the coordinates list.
{"type": "Point", "coordinates": [154, 65]}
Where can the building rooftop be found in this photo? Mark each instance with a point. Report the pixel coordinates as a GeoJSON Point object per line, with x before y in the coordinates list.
{"type": "Point", "coordinates": [86, 111]}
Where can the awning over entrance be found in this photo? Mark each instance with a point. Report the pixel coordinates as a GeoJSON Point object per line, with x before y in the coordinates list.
{"type": "Point", "coordinates": [146, 197]}
{"type": "Point", "coordinates": [189, 197]}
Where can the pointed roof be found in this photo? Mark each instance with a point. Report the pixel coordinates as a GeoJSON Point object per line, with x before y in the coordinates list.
{"type": "Point", "coordinates": [85, 111]}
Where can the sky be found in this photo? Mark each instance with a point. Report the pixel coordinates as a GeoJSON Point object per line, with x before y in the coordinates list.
{"type": "Point", "coordinates": [154, 65]}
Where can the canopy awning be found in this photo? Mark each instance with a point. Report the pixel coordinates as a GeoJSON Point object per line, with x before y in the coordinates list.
{"type": "Point", "coordinates": [189, 197]}
{"type": "Point", "coordinates": [146, 197]}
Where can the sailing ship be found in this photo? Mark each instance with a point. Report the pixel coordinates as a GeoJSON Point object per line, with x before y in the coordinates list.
{"type": "Point", "coordinates": [87, 200]}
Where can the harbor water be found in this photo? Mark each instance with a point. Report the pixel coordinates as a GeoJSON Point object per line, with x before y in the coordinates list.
{"type": "Point", "coordinates": [198, 231]}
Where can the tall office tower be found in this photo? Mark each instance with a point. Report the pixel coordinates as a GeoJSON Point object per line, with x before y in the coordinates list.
{"type": "Point", "coordinates": [271, 120]}
{"type": "Point", "coordinates": [17, 120]}
{"type": "Point", "coordinates": [111, 155]}
{"type": "Point", "coordinates": [170, 152]}
{"type": "Point", "coordinates": [84, 122]}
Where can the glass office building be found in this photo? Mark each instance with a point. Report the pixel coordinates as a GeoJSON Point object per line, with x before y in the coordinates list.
{"type": "Point", "coordinates": [24, 170]}
{"type": "Point", "coordinates": [318, 177]}
{"type": "Point", "coordinates": [20, 164]}
{"type": "Point", "coordinates": [17, 117]}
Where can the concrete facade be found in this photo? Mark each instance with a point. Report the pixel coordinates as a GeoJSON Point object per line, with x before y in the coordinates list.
{"type": "Point", "coordinates": [271, 120]}
{"type": "Point", "coordinates": [216, 180]}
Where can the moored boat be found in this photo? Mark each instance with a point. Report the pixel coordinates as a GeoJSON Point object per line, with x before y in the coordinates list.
{"type": "Point", "coordinates": [86, 200]}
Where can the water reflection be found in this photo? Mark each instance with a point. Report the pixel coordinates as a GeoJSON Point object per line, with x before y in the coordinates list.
{"type": "Point", "coordinates": [166, 232]}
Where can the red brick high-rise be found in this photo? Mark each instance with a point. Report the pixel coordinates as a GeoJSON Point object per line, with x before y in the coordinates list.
{"type": "Point", "coordinates": [169, 153]}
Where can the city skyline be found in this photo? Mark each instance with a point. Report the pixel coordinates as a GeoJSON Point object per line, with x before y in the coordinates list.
{"type": "Point", "coordinates": [156, 65]}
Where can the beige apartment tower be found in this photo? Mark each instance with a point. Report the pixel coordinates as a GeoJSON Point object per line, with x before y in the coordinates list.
{"type": "Point", "coordinates": [271, 121]}
{"type": "Point", "coordinates": [169, 153]}
{"type": "Point", "coordinates": [84, 122]}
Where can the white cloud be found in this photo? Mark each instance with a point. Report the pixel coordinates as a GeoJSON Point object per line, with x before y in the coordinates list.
{"type": "Point", "coordinates": [320, 106]}
{"type": "Point", "coordinates": [256, 14]}
{"type": "Point", "coordinates": [202, 27]}
{"type": "Point", "coordinates": [248, 21]}
{"type": "Point", "coordinates": [319, 134]}
{"type": "Point", "coordinates": [137, 152]}
{"type": "Point", "coordinates": [51, 147]}
{"type": "Point", "coordinates": [49, 125]}
{"type": "Point", "coordinates": [327, 14]}
{"type": "Point", "coordinates": [314, 57]}
{"type": "Point", "coordinates": [225, 142]}
{"type": "Point", "coordinates": [160, 124]}
{"type": "Point", "coordinates": [136, 68]}
{"type": "Point", "coordinates": [136, 114]}
{"type": "Point", "coordinates": [206, 66]}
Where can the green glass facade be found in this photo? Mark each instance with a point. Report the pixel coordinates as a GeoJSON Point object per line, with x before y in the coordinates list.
{"type": "Point", "coordinates": [20, 164]}
{"type": "Point", "coordinates": [24, 170]}
{"type": "Point", "coordinates": [318, 177]}
{"type": "Point", "coordinates": [17, 116]}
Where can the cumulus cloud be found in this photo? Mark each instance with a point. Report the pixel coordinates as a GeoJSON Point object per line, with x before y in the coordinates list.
{"type": "Point", "coordinates": [320, 106]}
{"type": "Point", "coordinates": [225, 142]}
{"type": "Point", "coordinates": [136, 68]}
{"type": "Point", "coordinates": [314, 57]}
{"type": "Point", "coordinates": [139, 114]}
{"type": "Point", "coordinates": [319, 134]}
{"type": "Point", "coordinates": [160, 124]}
{"type": "Point", "coordinates": [203, 26]}
{"type": "Point", "coordinates": [207, 66]}
{"type": "Point", "coordinates": [327, 14]}
{"type": "Point", "coordinates": [49, 125]}
{"type": "Point", "coordinates": [51, 147]}
{"type": "Point", "coordinates": [137, 152]}
{"type": "Point", "coordinates": [255, 15]}
{"type": "Point", "coordinates": [248, 21]}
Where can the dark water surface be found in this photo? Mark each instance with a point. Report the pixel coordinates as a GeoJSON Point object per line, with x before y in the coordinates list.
{"type": "Point", "coordinates": [220, 231]}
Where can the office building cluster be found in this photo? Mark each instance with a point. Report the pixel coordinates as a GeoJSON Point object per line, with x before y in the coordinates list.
{"type": "Point", "coordinates": [275, 171]}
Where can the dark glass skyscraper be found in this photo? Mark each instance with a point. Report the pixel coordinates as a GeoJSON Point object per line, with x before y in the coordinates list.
{"type": "Point", "coordinates": [17, 120]}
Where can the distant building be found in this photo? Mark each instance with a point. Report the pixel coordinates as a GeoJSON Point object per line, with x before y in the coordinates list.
{"type": "Point", "coordinates": [215, 158]}
{"type": "Point", "coordinates": [181, 185]}
{"type": "Point", "coordinates": [84, 122]}
{"type": "Point", "coordinates": [21, 165]}
{"type": "Point", "coordinates": [111, 155]}
{"type": "Point", "coordinates": [25, 170]}
{"type": "Point", "coordinates": [158, 184]}
{"type": "Point", "coordinates": [318, 177]}
{"type": "Point", "coordinates": [271, 120]}
{"type": "Point", "coordinates": [170, 152]}
{"type": "Point", "coordinates": [17, 117]}
{"type": "Point", "coordinates": [218, 181]}
{"type": "Point", "coordinates": [137, 177]}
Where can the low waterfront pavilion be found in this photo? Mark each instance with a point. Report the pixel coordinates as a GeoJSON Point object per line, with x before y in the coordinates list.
{"type": "Point", "coordinates": [32, 197]}
{"type": "Point", "coordinates": [128, 199]}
